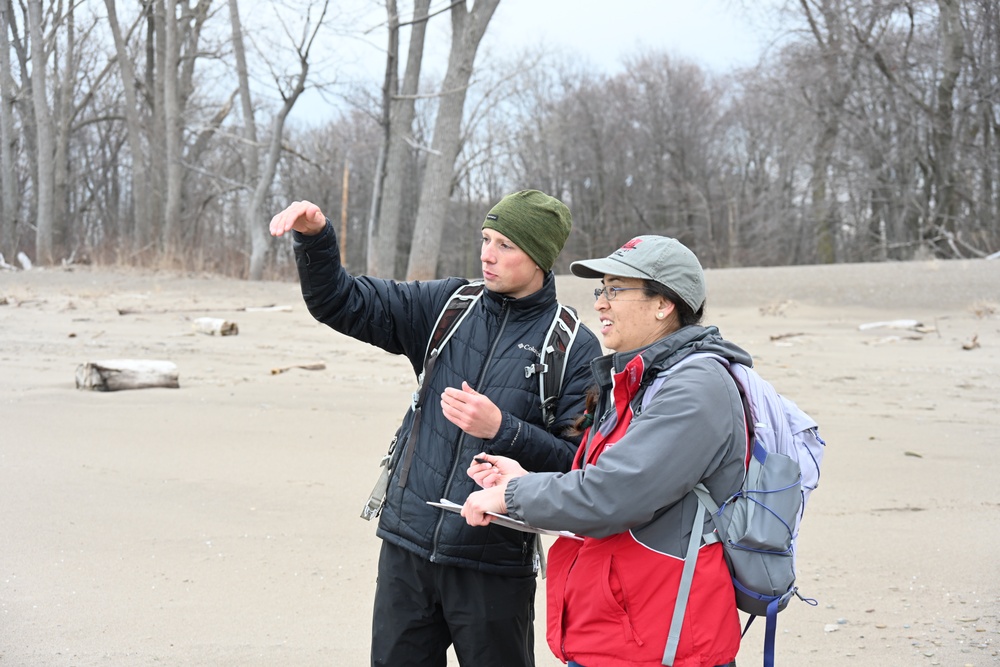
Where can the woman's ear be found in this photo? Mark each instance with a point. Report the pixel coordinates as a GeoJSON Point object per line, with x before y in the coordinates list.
{"type": "Point", "coordinates": [666, 306]}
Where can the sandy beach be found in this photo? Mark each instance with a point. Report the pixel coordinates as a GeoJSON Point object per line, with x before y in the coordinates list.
{"type": "Point", "coordinates": [217, 524]}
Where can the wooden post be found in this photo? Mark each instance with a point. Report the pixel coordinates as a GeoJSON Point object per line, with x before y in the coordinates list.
{"type": "Point", "coordinates": [343, 212]}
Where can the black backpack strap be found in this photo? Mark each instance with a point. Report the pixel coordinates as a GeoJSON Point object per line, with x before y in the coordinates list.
{"type": "Point", "coordinates": [451, 316]}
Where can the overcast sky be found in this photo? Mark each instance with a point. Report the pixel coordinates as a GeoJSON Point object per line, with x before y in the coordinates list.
{"type": "Point", "coordinates": [718, 34]}
{"type": "Point", "coordinates": [714, 33]}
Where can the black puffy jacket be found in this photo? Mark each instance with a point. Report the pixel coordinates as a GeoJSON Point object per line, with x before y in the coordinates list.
{"type": "Point", "coordinates": [490, 350]}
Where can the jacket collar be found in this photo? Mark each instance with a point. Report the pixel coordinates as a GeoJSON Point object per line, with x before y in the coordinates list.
{"type": "Point", "coordinates": [664, 353]}
{"type": "Point", "coordinates": [527, 307]}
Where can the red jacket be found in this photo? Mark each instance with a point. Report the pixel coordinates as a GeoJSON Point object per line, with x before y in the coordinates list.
{"type": "Point", "coordinates": [610, 602]}
{"type": "Point", "coordinates": [611, 599]}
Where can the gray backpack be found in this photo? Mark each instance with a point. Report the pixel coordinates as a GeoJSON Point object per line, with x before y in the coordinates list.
{"type": "Point", "coordinates": [757, 525]}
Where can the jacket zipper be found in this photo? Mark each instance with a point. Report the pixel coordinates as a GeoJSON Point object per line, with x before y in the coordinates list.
{"type": "Point", "coordinates": [504, 313]}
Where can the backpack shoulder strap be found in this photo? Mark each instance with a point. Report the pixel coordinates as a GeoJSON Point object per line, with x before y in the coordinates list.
{"type": "Point", "coordinates": [649, 391]}
{"type": "Point", "coordinates": [551, 367]}
{"type": "Point", "coordinates": [454, 311]}
{"type": "Point", "coordinates": [687, 577]}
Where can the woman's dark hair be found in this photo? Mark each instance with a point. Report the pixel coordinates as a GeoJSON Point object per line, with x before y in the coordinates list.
{"type": "Point", "coordinates": [685, 315]}
{"type": "Point", "coordinates": [587, 418]}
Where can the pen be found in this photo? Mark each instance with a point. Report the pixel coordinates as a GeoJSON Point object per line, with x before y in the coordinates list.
{"type": "Point", "coordinates": [479, 459]}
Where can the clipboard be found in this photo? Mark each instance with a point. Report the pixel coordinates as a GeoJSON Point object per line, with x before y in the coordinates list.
{"type": "Point", "coordinates": [506, 521]}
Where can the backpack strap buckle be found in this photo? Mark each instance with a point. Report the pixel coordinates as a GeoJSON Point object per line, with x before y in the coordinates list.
{"type": "Point", "coordinates": [535, 368]}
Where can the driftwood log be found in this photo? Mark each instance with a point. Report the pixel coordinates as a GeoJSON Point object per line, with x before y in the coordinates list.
{"type": "Point", "coordinates": [119, 374]}
{"type": "Point", "coordinates": [215, 326]}
{"type": "Point", "coordinates": [268, 309]}
{"type": "Point", "coordinates": [317, 366]}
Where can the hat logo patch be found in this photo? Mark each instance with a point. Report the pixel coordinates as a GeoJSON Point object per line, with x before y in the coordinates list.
{"type": "Point", "coordinates": [631, 245]}
{"type": "Point", "coordinates": [491, 216]}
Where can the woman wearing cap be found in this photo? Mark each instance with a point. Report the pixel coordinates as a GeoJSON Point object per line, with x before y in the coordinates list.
{"type": "Point", "coordinates": [666, 417]}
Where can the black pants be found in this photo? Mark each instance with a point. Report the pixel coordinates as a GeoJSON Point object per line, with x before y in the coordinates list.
{"type": "Point", "coordinates": [421, 608]}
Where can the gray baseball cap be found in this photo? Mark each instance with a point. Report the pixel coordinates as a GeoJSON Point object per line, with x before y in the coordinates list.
{"type": "Point", "coordinates": [657, 258]}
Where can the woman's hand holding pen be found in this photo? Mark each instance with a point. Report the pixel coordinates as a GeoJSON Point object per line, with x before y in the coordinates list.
{"type": "Point", "coordinates": [489, 470]}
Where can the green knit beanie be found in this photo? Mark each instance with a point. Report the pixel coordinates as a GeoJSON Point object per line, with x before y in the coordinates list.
{"type": "Point", "coordinates": [537, 223]}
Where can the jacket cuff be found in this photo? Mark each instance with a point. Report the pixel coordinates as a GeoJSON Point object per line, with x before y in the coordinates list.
{"type": "Point", "coordinates": [508, 437]}
{"type": "Point", "coordinates": [311, 241]}
{"type": "Point", "coordinates": [508, 499]}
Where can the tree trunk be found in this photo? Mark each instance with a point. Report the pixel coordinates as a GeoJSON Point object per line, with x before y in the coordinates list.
{"type": "Point", "coordinates": [9, 201]}
{"type": "Point", "coordinates": [468, 28]}
{"type": "Point", "coordinates": [251, 157]}
{"type": "Point", "coordinates": [24, 107]}
{"type": "Point", "coordinates": [62, 121]}
{"type": "Point", "coordinates": [46, 141]}
{"type": "Point", "coordinates": [259, 238]}
{"type": "Point", "coordinates": [251, 160]}
{"type": "Point", "coordinates": [942, 135]}
{"type": "Point", "coordinates": [190, 50]}
{"type": "Point", "coordinates": [142, 224]}
{"type": "Point", "coordinates": [383, 244]}
{"type": "Point", "coordinates": [172, 128]}
{"type": "Point", "coordinates": [822, 213]}
{"type": "Point", "coordinates": [834, 34]}
{"type": "Point", "coordinates": [374, 254]}
{"type": "Point", "coordinates": [155, 56]}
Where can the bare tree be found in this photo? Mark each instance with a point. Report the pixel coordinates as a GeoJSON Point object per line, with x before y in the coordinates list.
{"type": "Point", "coordinates": [398, 108]}
{"type": "Point", "coordinates": [153, 87]}
{"type": "Point", "coordinates": [44, 134]}
{"type": "Point", "coordinates": [173, 124]}
{"type": "Point", "coordinates": [260, 173]}
{"type": "Point", "coordinates": [943, 139]}
{"type": "Point", "coordinates": [983, 19]}
{"type": "Point", "coordinates": [79, 71]}
{"type": "Point", "coordinates": [467, 27]}
{"type": "Point", "coordinates": [943, 88]}
{"type": "Point", "coordinates": [64, 93]}
{"type": "Point", "coordinates": [870, 134]}
{"type": "Point", "coordinates": [142, 212]}
{"type": "Point", "coordinates": [834, 25]}
{"type": "Point", "coordinates": [177, 31]}
{"type": "Point", "coordinates": [9, 199]}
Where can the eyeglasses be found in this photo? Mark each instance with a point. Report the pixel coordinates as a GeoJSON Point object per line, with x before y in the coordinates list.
{"type": "Point", "coordinates": [610, 292]}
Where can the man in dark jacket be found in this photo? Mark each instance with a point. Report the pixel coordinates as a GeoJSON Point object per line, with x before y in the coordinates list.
{"type": "Point", "coordinates": [442, 582]}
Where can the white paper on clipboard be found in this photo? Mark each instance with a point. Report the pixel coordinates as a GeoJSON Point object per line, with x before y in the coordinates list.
{"type": "Point", "coordinates": [504, 520]}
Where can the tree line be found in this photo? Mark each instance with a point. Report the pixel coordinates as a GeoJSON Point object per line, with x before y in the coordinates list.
{"type": "Point", "coordinates": [156, 133]}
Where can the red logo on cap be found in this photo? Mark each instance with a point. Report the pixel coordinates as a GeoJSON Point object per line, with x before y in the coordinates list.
{"type": "Point", "coordinates": [631, 244]}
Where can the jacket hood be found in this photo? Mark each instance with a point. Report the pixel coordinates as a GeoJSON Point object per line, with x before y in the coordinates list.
{"type": "Point", "coordinates": [667, 351]}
